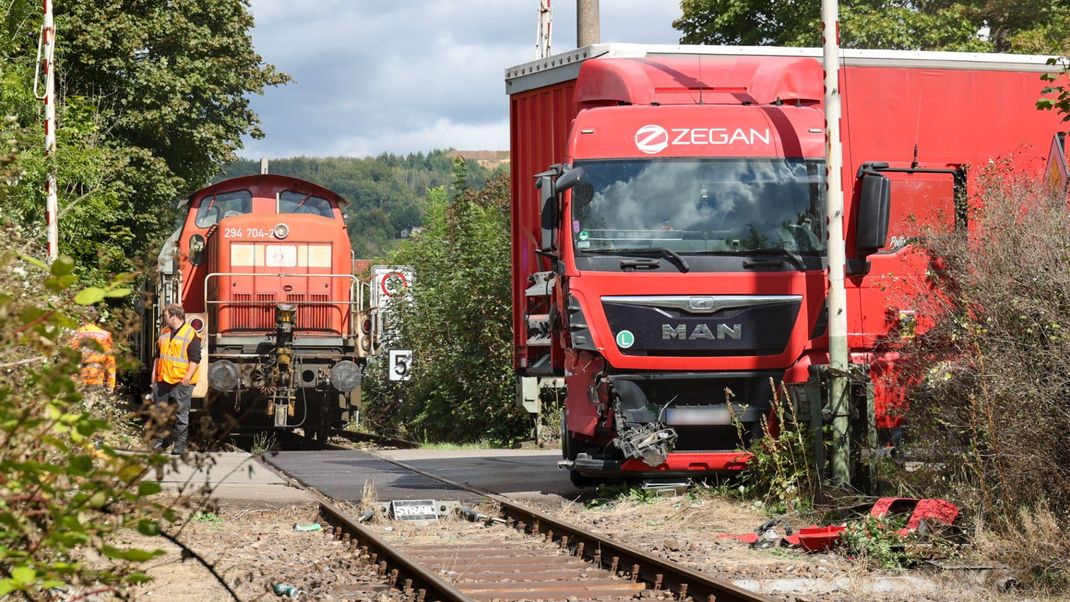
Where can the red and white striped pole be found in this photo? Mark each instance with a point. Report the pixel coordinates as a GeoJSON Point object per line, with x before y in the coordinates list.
{"type": "Point", "coordinates": [543, 36]}
{"type": "Point", "coordinates": [48, 42]}
{"type": "Point", "coordinates": [837, 296]}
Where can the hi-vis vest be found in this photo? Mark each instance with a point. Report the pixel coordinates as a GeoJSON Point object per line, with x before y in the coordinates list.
{"type": "Point", "coordinates": [98, 363]}
{"type": "Point", "coordinates": [173, 355]}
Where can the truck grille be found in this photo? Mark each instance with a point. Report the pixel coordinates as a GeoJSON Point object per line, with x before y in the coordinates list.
{"type": "Point", "coordinates": [704, 325]}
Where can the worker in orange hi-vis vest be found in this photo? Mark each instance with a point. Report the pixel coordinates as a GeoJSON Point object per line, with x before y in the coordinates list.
{"type": "Point", "coordinates": [98, 353]}
{"type": "Point", "coordinates": [174, 375]}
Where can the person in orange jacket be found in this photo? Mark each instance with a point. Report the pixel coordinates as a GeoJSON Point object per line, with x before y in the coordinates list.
{"type": "Point", "coordinates": [98, 353]}
{"type": "Point", "coordinates": [174, 375]}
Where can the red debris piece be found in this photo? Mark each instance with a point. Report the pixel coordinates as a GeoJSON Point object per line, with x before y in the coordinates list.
{"type": "Point", "coordinates": [815, 538]}
{"type": "Point", "coordinates": [933, 510]}
{"type": "Point", "coordinates": [930, 510]}
{"type": "Point", "coordinates": [744, 537]}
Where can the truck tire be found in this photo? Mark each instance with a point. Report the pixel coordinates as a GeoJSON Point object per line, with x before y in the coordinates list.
{"type": "Point", "coordinates": [569, 450]}
{"type": "Point", "coordinates": [582, 480]}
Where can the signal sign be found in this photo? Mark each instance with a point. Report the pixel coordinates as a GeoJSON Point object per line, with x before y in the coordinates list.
{"type": "Point", "coordinates": [389, 283]}
{"type": "Point", "coordinates": [400, 366]}
{"type": "Point", "coordinates": [393, 283]}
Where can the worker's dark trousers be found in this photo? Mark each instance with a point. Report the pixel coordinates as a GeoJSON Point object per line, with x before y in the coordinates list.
{"type": "Point", "coordinates": [175, 399]}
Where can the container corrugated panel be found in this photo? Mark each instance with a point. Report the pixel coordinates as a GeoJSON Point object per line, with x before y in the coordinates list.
{"type": "Point", "coordinates": [540, 122]}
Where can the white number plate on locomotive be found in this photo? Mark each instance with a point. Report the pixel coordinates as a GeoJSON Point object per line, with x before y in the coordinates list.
{"type": "Point", "coordinates": [246, 233]}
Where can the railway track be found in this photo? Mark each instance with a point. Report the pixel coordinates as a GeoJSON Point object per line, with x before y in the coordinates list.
{"type": "Point", "coordinates": [525, 555]}
{"type": "Point", "coordinates": [379, 440]}
{"type": "Point", "coordinates": [289, 440]}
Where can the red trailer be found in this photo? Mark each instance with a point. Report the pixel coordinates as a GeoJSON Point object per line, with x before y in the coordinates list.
{"type": "Point", "coordinates": [669, 241]}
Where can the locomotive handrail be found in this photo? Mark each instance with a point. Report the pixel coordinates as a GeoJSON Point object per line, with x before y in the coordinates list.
{"type": "Point", "coordinates": [352, 302]}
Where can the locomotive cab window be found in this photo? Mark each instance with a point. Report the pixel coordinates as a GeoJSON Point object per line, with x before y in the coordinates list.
{"type": "Point", "coordinates": [299, 202]}
{"type": "Point", "coordinates": [215, 207]}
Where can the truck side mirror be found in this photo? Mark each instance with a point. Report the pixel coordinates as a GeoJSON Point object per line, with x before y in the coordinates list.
{"type": "Point", "coordinates": [874, 206]}
{"type": "Point", "coordinates": [569, 179]}
{"type": "Point", "coordinates": [548, 210]}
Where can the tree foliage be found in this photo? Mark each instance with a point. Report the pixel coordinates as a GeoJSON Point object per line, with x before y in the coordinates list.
{"type": "Point", "coordinates": [388, 192]}
{"type": "Point", "coordinates": [63, 490]}
{"type": "Point", "coordinates": [1057, 92]}
{"type": "Point", "coordinates": [457, 322]}
{"type": "Point", "coordinates": [1033, 26]}
{"type": "Point", "coordinates": [152, 99]}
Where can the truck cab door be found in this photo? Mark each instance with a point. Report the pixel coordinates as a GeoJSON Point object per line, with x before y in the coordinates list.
{"type": "Point", "coordinates": [922, 204]}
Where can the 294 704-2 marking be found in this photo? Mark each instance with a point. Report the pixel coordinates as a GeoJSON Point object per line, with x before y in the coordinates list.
{"type": "Point", "coordinates": [246, 233]}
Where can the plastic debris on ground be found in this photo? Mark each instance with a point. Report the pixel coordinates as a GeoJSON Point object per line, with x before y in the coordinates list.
{"type": "Point", "coordinates": [817, 538]}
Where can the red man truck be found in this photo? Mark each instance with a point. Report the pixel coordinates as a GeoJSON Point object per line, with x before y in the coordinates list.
{"type": "Point", "coordinates": [669, 230]}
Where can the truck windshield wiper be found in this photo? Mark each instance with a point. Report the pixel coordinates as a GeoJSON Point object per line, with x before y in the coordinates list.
{"type": "Point", "coordinates": [794, 258]}
{"type": "Point", "coordinates": [643, 251]}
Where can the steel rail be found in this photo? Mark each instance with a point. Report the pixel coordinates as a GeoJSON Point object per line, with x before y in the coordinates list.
{"type": "Point", "coordinates": [606, 554]}
{"type": "Point", "coordinates": [378, 439]}
{"type": "Point", "coordinates": [404, 574]}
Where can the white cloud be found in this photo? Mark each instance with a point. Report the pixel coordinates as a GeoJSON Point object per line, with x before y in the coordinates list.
{"type": "Point", "coordinates": [410, 75]}
{"type": "Point", "coordinates": [441, 134]}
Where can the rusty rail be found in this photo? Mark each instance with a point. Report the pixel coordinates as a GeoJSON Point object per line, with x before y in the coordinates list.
{"type": "Point", "coordinates": [399, 571]}
{"type": "Point", "coordinates": [607, 554]}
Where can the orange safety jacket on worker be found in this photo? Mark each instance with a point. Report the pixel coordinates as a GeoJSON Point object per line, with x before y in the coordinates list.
{"type": "Point", "coordinates": [98, 361]}
{"type": "Point", "coordinates": [174, 355]}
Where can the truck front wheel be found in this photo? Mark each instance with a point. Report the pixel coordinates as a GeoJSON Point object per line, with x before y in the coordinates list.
{"type": "Point", "coordinates": [570, 448]}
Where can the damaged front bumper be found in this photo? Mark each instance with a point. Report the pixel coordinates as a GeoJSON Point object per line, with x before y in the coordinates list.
{"type": "Point", "coordinates": [676, 464]}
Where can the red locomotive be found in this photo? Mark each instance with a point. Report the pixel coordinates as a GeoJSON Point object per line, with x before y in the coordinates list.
{"type": "Point", "coordinates": [262, 266]}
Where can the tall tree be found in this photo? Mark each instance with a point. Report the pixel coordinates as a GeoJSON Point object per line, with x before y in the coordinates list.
{"type": "Point", "coordinates": [171, 76]}
{"type": "Point", "coordinates": [152, 99]}
{"type": "Point", "coordinates": [1036, 26]}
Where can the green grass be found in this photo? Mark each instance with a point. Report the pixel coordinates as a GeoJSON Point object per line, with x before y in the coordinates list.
{"type": "Point", "coordinates": [206, 517]}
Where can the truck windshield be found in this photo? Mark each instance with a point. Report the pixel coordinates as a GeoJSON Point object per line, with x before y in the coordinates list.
{"type": "Point", "coordinates": [700, 206]}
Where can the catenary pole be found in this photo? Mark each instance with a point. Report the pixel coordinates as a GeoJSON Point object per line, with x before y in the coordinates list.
{"type": "Point", "coordinates": [837, 296]}
{"type": "Point", "coordinates": [47, 63]}
{"type": "Point", "coordinates": [543, 36]}
{"type": "Point", "coordinates": [587, 24]}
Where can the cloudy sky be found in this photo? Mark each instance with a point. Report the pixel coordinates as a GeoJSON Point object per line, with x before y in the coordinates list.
{"type": "Point", "coordinates": [400, 76]}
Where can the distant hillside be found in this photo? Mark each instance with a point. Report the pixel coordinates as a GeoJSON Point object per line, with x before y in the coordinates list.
{"type": "Point", "coordinates": [490, 159]}
{"type": "Point", "coordinates": [387, 193]}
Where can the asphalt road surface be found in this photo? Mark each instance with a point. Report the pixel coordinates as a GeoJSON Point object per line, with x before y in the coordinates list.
{"type": "Point", "coordinates": [342, 474]}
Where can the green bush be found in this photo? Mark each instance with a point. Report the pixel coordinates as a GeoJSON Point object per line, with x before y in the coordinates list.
{"type": "Point", "coordinates": [781, 472]}
{"type": "Point", "coordinates": [989, 411]}
{"type": "Point", "coordinates": [876, 542]}
{"type": "Point", "coordinates": [64, 492]}
{"type": "Point", "coordinates": [458, 323]}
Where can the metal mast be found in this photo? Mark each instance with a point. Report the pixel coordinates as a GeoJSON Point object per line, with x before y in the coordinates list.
{"type": "Point", "coordinates": [543, 35]}
{"type": "Point", "coordinates": [587, 23]}
{"type": "Point", "coordinates": [46, 50]}
{"type": "Point", "coordinates": [837, 296]}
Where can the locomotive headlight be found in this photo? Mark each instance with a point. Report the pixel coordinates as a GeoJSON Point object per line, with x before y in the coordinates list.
{"type": "Point", "coordinates": [345, 376]}
{"type": "Point", "coordinates": [223, 375]}
{"type": "Point", "coordinates": [280, 231]}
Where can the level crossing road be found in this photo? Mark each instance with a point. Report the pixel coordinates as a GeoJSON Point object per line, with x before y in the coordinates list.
{"type": "Point", "coordinates": [342, 474]}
